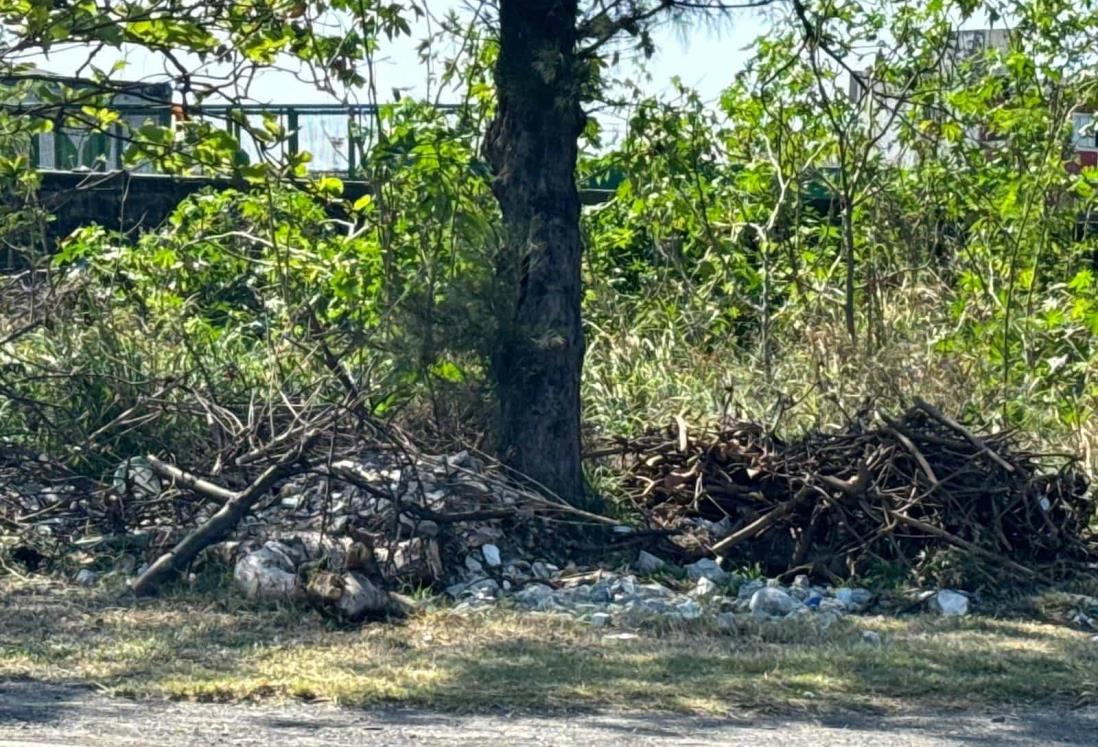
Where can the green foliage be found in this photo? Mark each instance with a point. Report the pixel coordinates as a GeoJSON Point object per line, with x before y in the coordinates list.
{"type": "Point", "coordinates": [800, 252]}
{"type": "Point", "coordinates": [788, 254]}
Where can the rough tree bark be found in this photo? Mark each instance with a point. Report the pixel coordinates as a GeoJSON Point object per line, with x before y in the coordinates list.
{"type": "Point", "coordinates": [532, 146]}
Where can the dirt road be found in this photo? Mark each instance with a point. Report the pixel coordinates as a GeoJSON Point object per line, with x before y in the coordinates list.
{"type": "Point", "coordinates": [40, 715]}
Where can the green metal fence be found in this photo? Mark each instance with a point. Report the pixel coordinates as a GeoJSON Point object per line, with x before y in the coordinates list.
{"type": "Point", "coordinates": [335, 136]}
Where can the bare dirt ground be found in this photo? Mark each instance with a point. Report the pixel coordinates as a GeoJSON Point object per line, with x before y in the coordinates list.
{"type": "Point", "coordinates": [34, 713]}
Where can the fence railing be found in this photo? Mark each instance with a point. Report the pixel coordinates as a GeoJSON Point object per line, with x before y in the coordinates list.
{"type": "Point", "coordinates": [335, 136]}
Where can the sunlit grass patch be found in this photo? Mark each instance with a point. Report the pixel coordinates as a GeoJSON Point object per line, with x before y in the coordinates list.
{"type": "Point", "coordinates": [219, 649]}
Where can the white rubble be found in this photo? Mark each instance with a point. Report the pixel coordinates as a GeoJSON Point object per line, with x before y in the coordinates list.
{"type": "Point", "coordinates": [646, 562]}
{"type": "Point", "coordinates": [491, 555]}
{"type": "Point", "coordinates": [771, 602]}
{"type": "Point", "coordinates": [706, 568]}
{"type": "Point", "coordinates": [267, 573]}
{"type": "Point", "coordinates": [704, 589]}
{"type": "Point", "coordinates": [949, 603]}
{"type": "Point", "coordinates": [360, 597]}
{"type": "Point", "coordinates": [86, 577]}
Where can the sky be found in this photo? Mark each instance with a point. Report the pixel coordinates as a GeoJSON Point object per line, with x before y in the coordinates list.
{"type": "Point", "coordinates": [705, 57]}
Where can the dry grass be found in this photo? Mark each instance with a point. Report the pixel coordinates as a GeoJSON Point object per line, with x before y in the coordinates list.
{"type": "Point", "coordinates": [192, 646]}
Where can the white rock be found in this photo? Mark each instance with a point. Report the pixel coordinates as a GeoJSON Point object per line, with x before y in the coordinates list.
{"type": "Point", "coordinates": [949, 603]}
{"type": "Point", "coordinates": [1083, 620]}
{"type": "Point", "coordinates": [86, 577]}
{"type": "Point", "coordinates": [706, 568]}
{"type": "Point", "coordinates": [688, 610]}
{"type": "Point", "coordinates": [600, 620]}
{"type": "Point", "coordinates": [748, 589]}
{"type": "Point", "coordinates": [802, 582]}
{"type": "Point", "coordinates": [646, 562]}
{"type": "Point", "coordinates": [267, 573]}
{"type": "Point", "coordinates": [537, 596]}
{"type": "Point", "coordinates": [654, 591]}
{"type": "Point", "coordinates": [361, 598]}
{"type": "Point", "coordinates": [491, 555]}
{"type": "Point", "coordinates": [854, 599]}
{"type": "Point", "coordinates": [541, 570]}
{"type": "Point", "coordinates": [485, 588]}
{"type": "Point", "coordinates": [771, 602]}
{"type": "Point", "coordinates": [134, 477]}
{"type": "Point", "coordinates": [626, 585]}
{"type": "Point", "coordinates": [704, 589]}
{"type": "Point", "coordinates": [871, 636]}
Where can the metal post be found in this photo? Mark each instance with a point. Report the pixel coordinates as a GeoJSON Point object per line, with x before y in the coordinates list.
{"type": "Point", "coordinates": [58, 134]}
{"type": "Point", "coordinates": [119, 134]}
{"type": "Point", "coordinates": [350, 144]}
{"type": "Point", "coordinates": [291, 123]}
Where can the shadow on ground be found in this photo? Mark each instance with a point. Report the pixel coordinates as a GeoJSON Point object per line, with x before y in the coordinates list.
{"type": "Point", "coordinates": [217, 650]}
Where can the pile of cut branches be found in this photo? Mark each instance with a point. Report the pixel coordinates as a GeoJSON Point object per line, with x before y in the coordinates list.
{"type": "Point", "coordinates": [919, 496]}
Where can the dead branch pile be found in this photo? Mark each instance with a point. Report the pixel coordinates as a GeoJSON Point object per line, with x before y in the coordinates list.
{"type": "Point", "coordinates": [339, 486]}
{"type": "Point", "coordinates": [920, 495]}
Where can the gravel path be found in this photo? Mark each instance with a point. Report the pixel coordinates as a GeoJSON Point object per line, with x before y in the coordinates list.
{"type": "Point", "coordinates": [35, 714]}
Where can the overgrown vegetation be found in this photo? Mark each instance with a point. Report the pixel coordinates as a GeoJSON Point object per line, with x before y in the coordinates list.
{"type": "Point", "coordinates": [792, 256]}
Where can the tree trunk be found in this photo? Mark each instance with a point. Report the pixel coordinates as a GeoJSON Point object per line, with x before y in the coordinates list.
{"type": "Point", "coordinates": [532, 146]}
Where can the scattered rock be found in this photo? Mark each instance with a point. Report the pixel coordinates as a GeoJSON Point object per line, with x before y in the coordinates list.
{"type": "Point", "coordinates": [646, 562]}
{"type": "Point", "coordinates": [134, 477]}
{"type": "Point", "coordinates": [491, 555]}
{"type": "Point", "coordinates": [948, 603]}
{"type": "Point", "coordinates": [706, 568]}
{"type": "Point", "coordinates": [600, 619]}
{"type": "Point", "coordinates": [473, 564]}
{"type": "Point", "coordinates": [361, 599]}
{"type": "Point", "coordinates": [871, 636]}
{"type": "Point", "coordinates": [535, 596]}
{"type": "Point", "coordinates": [688, 610]}
{"type": "Point", "coordinates": [704, 589]}
{"type": "Point", "coordinates": [748, 589]}
{"type": "Point", "coordinates": [855, 599]}
{"type": "Point", "coordinates": [1083, 620]}
{"type": "Point", "coordinates": [86, 577]}
{"type": "Point", "coordinates": [414, 561]}
{"type": "Point", "coordinates": [485, 588]}
{"type": "Point", "coordinates": [771, 602]}
{"type": "Point", "coordinates": [267, 573]}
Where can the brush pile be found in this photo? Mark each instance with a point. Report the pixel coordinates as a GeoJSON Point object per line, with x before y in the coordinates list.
{"type": "Point", "coordinates": [920, 496]}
